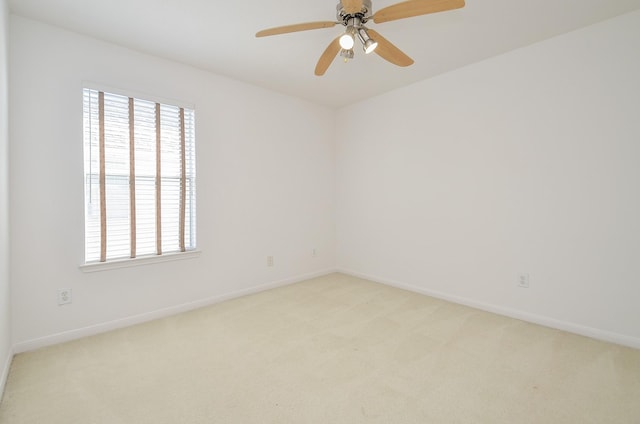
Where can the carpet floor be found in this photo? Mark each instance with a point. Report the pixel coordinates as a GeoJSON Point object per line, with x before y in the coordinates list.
{"type": "Point", "coordinates": [334, 349]}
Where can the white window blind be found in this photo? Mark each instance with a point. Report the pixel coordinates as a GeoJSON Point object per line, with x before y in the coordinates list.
{"type": "Point", "coordinates": [139, 179]}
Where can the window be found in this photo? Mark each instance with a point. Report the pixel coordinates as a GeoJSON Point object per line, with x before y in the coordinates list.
{"type": "Point", "coordinates": [139, 177]}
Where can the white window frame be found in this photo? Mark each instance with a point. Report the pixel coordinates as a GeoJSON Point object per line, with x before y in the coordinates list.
{"type": "Point", "coordinates": [187, 245]}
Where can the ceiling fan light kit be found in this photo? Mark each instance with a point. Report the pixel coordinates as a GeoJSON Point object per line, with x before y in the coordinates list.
{"type": "Point", "coordinates": [368, 44]}
{"type": "Point", "coordinates": [346, 39]}
{"type": "Point", "coordinates": [347, 54]}
{"type": "Point", "coordinates": [354, 14]}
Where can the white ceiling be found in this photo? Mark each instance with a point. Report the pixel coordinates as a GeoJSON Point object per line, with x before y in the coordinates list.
{"type": "Point", "coordinates": [219, 36]}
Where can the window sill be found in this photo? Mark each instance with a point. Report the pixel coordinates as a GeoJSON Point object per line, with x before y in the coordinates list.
{"type": "Point", "coordinates": [145, 260]}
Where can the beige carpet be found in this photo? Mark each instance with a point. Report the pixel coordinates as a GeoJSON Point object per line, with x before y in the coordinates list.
{"type": "Point", "coordinates": [334, 349]}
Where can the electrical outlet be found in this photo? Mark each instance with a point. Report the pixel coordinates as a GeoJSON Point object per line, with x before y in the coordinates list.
{"type": "Point", "coordinates": [269, 260]}
{"type": "Point", "coordinates": [523, 280]}
{"type": "Point", "coordinates": [314, 252]}
{"type": "Point", "coordinates": [64, 296]}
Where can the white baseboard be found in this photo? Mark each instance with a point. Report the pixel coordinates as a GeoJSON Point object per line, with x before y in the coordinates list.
{"type": "Point", "coordinates": [5, 372]}
{"type": "Point", "coordinates": [570, 327]}
{"type": "Point", "coordinates": [161, 313]}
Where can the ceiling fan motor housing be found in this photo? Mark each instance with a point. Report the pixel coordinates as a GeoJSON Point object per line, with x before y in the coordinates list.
{"type": "Point", "coordinates": [364, 14]}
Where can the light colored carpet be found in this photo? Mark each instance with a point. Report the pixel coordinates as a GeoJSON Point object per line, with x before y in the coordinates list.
{"type": "Point", "coordinates": [335, 349]}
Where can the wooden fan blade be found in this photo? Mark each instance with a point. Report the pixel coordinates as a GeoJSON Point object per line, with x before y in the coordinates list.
{"type": "Point", "coordinates": [388, 51]}
{"type": "Point", "coordinates": [352, 6]}
{"type": "Point", "coordinates": [295, 28]}
{"type": "Point", "coordinates": [410, 8]}
{"type": "Point", "coordinates": [327, 57]}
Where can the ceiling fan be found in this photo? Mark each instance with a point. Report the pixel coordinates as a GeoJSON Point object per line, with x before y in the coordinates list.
{"type": "Point", "coordinates": [354, 14]}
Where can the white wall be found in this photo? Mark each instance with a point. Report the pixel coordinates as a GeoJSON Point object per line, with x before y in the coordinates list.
{"type": "Point", "coordinates": [527, 162]}
{"type": "Point", "coordinates": [5, 311]}
{"type": "Point", "coordinates": [265, 170]}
